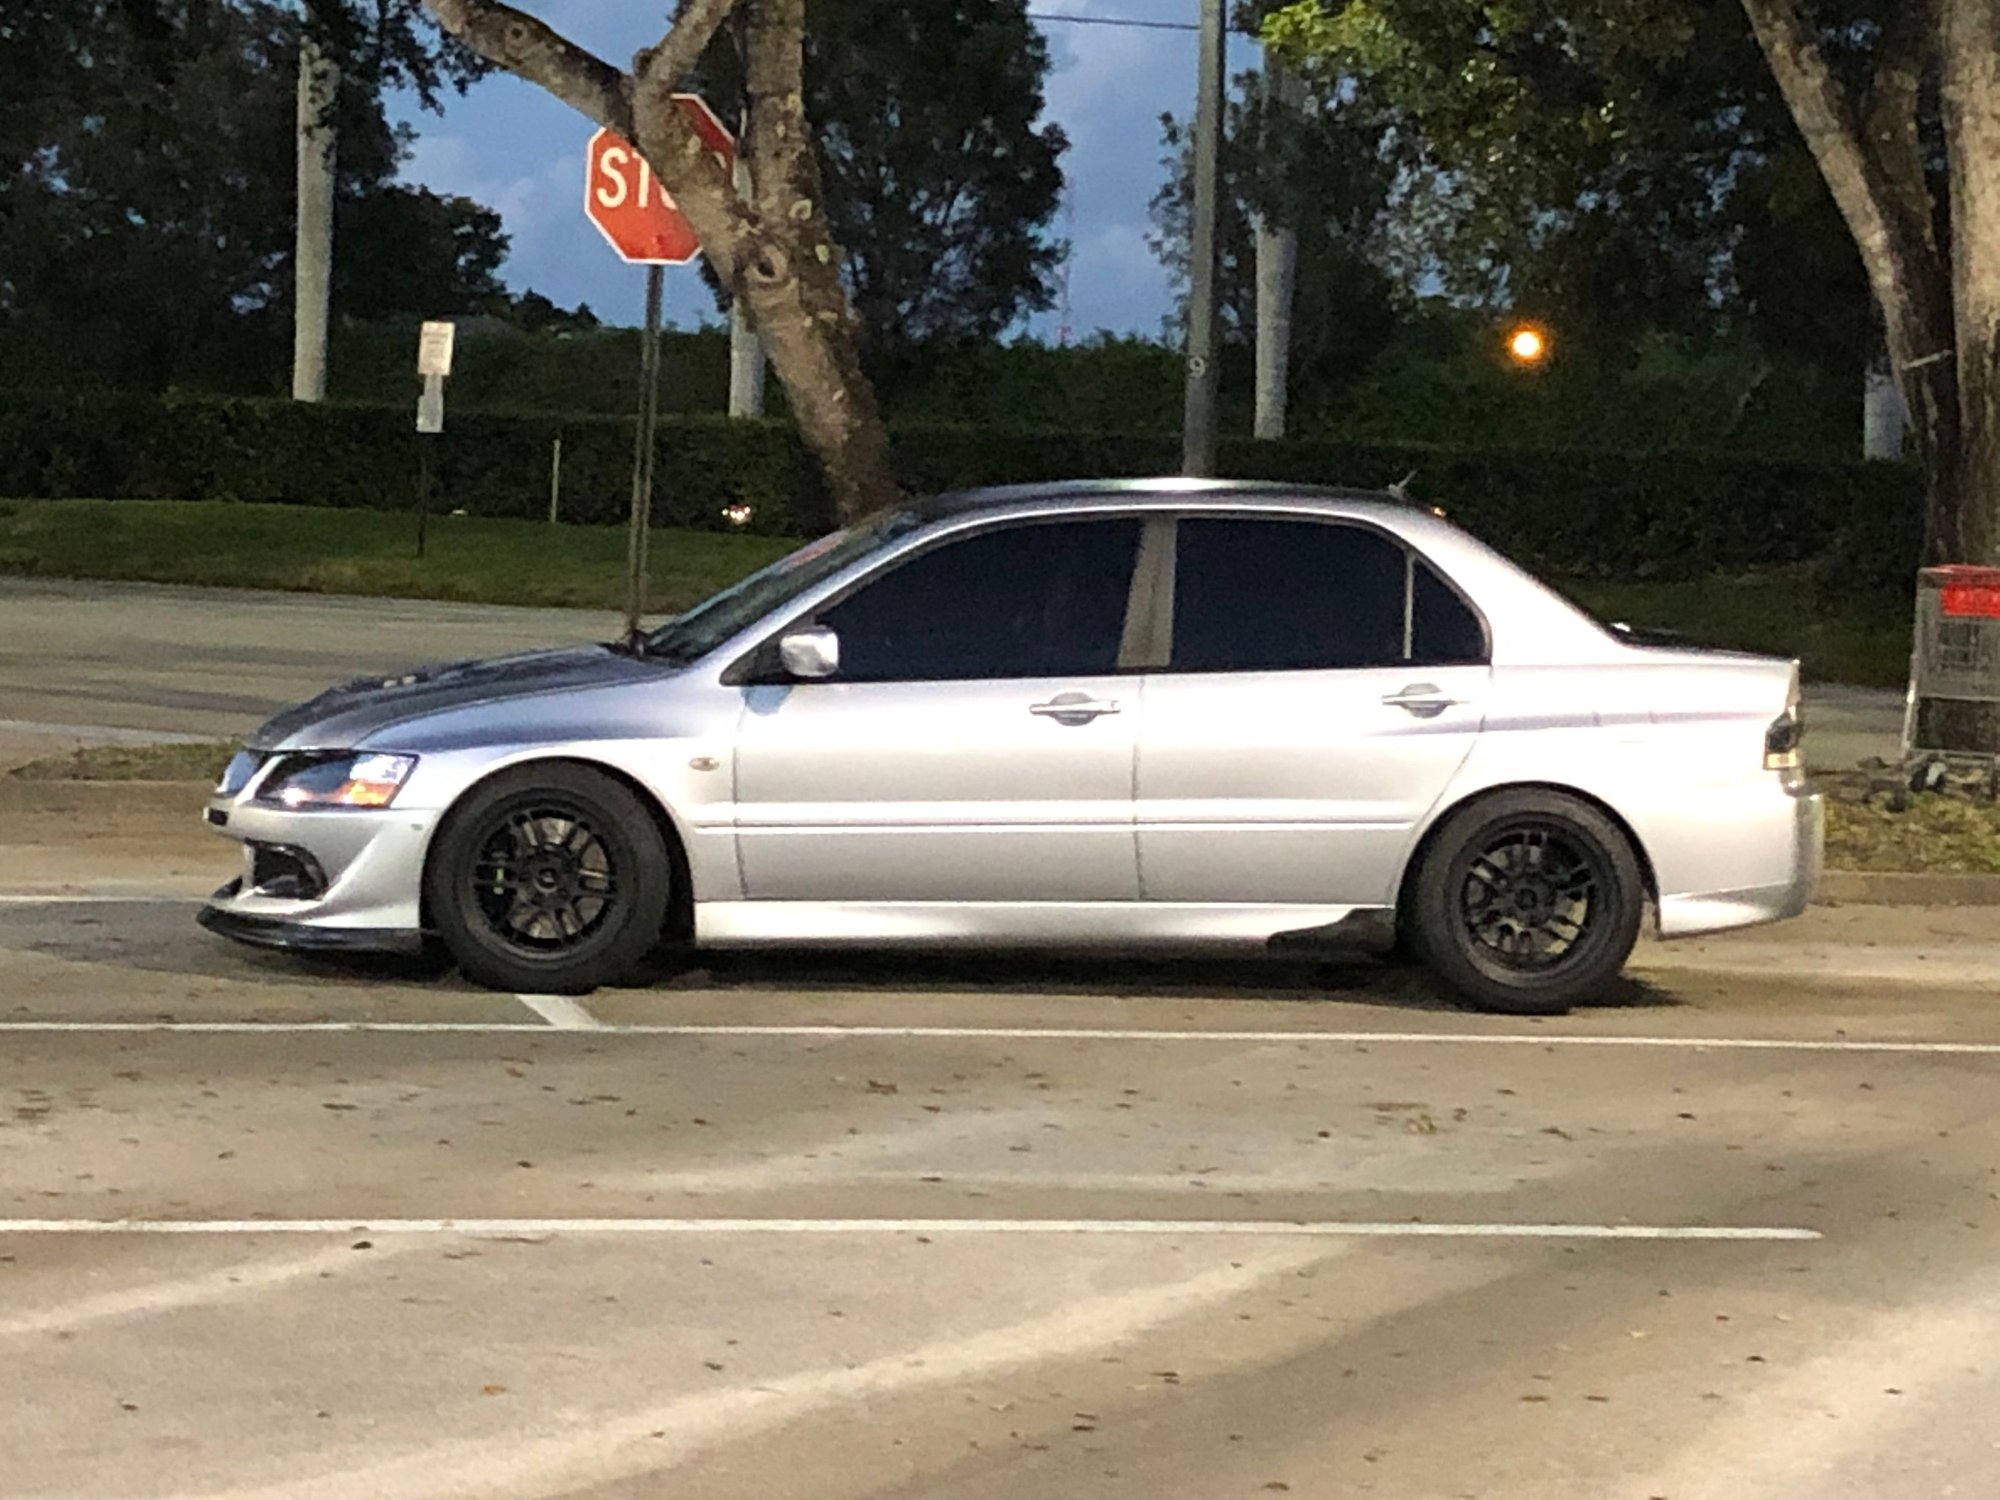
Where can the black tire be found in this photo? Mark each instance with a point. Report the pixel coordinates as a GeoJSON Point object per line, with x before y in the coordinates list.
{"type": "Point", "coordinates": [549, 879]}
{"type": "Point", "coordinates": [1526, 903]}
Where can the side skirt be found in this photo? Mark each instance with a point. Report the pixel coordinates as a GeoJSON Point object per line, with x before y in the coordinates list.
{"type": "Point", "coordinates": [1036, 924]}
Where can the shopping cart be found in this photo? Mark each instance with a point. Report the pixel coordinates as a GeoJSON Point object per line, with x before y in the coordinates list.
{"type": "Point", "coordinates": [1954, 658]}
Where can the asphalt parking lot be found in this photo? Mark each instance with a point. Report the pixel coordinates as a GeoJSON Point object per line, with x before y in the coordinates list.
{"type": "Point", "coordinates": [831, 1228]}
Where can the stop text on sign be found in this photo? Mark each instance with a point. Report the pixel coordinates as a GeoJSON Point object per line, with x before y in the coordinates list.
{"type": "Point", "coordinates": [637, 216]}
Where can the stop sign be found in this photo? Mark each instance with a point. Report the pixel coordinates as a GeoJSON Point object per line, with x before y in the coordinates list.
{"type": "Point", "coordinates": [630, 208]}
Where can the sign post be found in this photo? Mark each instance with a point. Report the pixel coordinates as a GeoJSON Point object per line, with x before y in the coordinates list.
{"type": "Point", "coordinates": [642, 223]}
{"type": "Point", "coordinates": [434, 344]}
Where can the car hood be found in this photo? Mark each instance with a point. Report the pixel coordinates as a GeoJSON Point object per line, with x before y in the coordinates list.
{"type": "Point", "coordinates": [349, 715]}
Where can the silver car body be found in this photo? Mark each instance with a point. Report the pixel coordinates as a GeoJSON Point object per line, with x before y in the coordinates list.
{"type": "Point", "coordinates": [1186, 809]}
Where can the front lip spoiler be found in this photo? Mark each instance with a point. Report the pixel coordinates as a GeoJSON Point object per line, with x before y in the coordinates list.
{"type": "Point", "coordinates": [304, 937]}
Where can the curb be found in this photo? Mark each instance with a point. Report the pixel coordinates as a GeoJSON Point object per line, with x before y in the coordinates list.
{"type": "Point", "coordinates": [1897, 888]}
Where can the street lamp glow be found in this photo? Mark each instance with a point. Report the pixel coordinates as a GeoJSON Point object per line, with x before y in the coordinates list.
{"type": "Point", "coordinates": [1527, 346]}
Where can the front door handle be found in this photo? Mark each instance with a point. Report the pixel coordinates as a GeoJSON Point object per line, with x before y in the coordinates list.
{"type": "Point", "coordinates": [1074, 708]}
{"type": "Point", "coordinates": [1424, 699]}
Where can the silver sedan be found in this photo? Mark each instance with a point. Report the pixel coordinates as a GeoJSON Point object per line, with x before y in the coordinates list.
{"type": "Point", "coordinates": [1106, 715]}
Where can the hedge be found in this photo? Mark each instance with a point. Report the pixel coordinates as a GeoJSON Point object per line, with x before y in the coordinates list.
{"type": "Point", "coordinates": [1584, 514]}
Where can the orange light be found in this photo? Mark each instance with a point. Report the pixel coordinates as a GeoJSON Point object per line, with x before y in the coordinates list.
{"type": "Point", "coordinates": [1527, 346]}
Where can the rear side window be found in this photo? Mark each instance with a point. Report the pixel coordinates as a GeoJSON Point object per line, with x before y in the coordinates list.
{"type": "Point", "coordinates": [1256, 595]}
{"type": "Point", "coordinates": [1264, 596]}
{"type": "Point", "coordinates": [1039, 600]}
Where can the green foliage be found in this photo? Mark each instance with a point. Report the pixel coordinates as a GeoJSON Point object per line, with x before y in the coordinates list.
{"type": "Point", "coordinates": [499, 366]}
{"type": "Point", "coordinates": [1445, 377]}
{"type": "Point", "coordinates": [1608, 515]}
{"type": "Point", "coordinates": [146, 234]}
{"type": "Point", "coordinates": [1324, 168]}
{"type": "Point", "coordinates": [940, 184]}
{"type": "Point", "coordinates": [1612, 165]}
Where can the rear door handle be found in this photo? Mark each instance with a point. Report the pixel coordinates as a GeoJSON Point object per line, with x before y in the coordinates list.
{"type": "Point", "coordinates": [1424, 699]}
{"type": "Point", "coordinates": [1074, 708]}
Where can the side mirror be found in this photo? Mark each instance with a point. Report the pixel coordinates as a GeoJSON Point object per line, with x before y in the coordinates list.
{"type": "Point", "coordinates": [810, 653]}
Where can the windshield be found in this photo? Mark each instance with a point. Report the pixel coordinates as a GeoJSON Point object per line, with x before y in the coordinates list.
{"type": "Point", "coordinates": [692, 635]}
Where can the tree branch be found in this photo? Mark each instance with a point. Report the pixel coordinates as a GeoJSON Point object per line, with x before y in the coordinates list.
{"type": "Point", "coordinates": [1889, 115]}
{"type": "Point", "coordinates": [663, 65]}
{"type": "Point", "coordinates": [514, 40]}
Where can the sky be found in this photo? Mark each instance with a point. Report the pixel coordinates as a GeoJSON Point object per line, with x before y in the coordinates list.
{"type": "Point", "coordinates": [510, 146]}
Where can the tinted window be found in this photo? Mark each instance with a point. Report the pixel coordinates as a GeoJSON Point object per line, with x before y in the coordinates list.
{"type": "Point", "coordinates": [1271, 595]}
{"type": "Point", "coordinates": [1443, 629]}
{"type": "Point", "coordinates": [1027, 601]}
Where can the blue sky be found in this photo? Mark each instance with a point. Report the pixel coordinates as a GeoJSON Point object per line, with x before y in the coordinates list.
{"type": "Point", "coordinates": [512, 147]}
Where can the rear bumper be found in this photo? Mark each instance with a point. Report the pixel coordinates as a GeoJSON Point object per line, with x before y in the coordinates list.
{"type": "Point", "coordinates": [1801, 828]}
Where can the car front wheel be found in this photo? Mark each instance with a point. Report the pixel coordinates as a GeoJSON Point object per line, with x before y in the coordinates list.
{"type": "Point", "coordinates": [549, 879]}
{"type": "Point", "coordinates": [1526, 903]}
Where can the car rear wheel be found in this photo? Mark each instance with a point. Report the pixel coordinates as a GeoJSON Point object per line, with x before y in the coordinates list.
{"type": "Point", "coordinates": [549, 879]}
{"type": "Point", "coordinates": [1526, 903]}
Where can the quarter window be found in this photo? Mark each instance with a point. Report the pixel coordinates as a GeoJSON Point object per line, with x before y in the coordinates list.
{"type": "Point", "coordinates": [1037, 600]}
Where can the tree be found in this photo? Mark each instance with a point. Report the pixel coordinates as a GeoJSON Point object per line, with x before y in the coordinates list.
{"type": "Point", "coordinates": [145, 239]}
{"type": "Point", "coordinates": [939, 184]}
{"type": "Point", "coordinates": [772, 246]}
{"type": "Point", "coordinates": [418, 252]}
{"type": "Point", "coordinates": [343, 46]}
{"type": "Point", "coordinates": [1324, 171]}
{"type": "Point", "coordinates": [1541, 104]}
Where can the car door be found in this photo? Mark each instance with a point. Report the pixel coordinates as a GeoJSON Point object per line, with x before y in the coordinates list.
{"type": "Point", "coordinates": [977, 740]}
{"type": "Point", "coordinates": [1324, 684]}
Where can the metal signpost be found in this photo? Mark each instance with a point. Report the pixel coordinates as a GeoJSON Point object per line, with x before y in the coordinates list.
{"type": "Point", "coordinates": [434, 345]}
{"type": "Point", "coordinates": [641, 222]}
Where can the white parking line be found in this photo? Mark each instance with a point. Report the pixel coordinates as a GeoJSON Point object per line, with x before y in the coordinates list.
{"type": "Point", "coordinates": [1323, 1229]}
{"type": "Point", "coordinates": [99, 898]}
{"type": "Point", "coordinates": [1014, 1034]}
{"type": "Point", "coordinates": [561, 1012]}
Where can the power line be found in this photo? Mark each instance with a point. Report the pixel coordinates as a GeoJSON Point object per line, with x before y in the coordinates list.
{"type": "Point", "coordinates": [1137, 25]}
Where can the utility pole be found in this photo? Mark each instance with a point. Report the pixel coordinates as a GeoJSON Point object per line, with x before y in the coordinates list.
{"type": "Point", "coordinates": [312, 244]}
{"type": "Point", "coordinates": [746, 350]}
{"type": "Point", "coordinates": [1277, 265]}
{"type": "Point", "coordinates": [1198, 419]}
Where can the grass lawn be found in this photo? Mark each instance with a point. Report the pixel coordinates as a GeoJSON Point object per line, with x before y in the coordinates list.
{"type": "Point", "coordinates": [529, 562]}
{"type": "Point", "coordinates": [1776, 611]}
{"type": "Point", "coordinates": [224, 544]}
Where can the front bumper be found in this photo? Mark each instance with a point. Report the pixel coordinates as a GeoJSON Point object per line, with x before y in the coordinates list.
{"type": "Point", "coordinates": [300, 937]}
{"type": "Point", "coordinates": [345, 881]}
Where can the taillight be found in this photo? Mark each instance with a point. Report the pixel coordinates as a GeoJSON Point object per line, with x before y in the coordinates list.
{"type": "Point", "coordinates": [1782, 741]}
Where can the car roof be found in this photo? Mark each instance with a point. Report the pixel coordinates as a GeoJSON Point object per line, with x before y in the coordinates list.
{"type": "Point", "coordinates": [1168, 492]}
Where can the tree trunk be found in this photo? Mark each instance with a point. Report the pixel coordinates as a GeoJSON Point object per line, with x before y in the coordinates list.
{"type": "Point", "coordinates": [1969, 44]}
{"type": "Point", "coordinates": [771, 246]}
{"type": "Point", "coordinates": [312, 252]}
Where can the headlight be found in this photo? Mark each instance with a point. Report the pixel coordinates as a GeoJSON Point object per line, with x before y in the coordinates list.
{"type": "Point", "coordinates": [336, 779]}
{"type": "Point", "coordinates": [236, 775]}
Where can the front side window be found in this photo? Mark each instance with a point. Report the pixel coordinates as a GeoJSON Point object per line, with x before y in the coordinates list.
{"type": "Point", "coordinates": [1032, 600]}
{"type": "Point", "coordinates": [688, 637]}
{"type": "Point", "coordinates": [1267, 595]}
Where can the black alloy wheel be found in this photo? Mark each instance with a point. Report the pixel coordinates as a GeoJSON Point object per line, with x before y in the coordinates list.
{"type": "Point", "coordinates": [551, 879]}
{"type": "Point", "coordinates": [1526, 902]}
